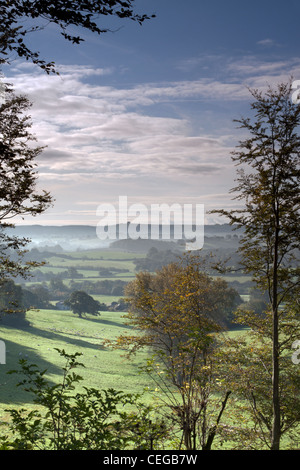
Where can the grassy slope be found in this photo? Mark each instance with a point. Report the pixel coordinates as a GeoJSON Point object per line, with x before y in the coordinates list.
{"type": "Point", "coordinates": [62, 329]}
{"type": "Point", "coordinates": [52, 329]}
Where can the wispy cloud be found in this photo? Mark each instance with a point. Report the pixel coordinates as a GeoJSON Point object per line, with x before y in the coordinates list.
{"type": "Point", "coordinates": [267, 42]}
{"type": "Point", "coordinates": [90, 127]}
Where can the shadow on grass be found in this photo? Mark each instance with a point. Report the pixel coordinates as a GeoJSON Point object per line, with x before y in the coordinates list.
{"type": "Point", "coordinates": [42, 341]}
{"type": "Point", "coordinates": [35, 352]}
{"type": "Point", "coordinates": [54, 335]}
{"type": "Point", "coordinates": [10, 392]}
{"type": "Point", "coordinates": [108, 322]}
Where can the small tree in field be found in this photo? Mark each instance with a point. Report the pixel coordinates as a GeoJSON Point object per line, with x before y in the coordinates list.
{"type": "Point", "coordinates": [80, 303]}
{"type": "Point", "coordinates": [268, 183]}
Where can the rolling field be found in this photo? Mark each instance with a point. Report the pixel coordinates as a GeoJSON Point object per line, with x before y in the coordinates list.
{"type": "Point", "coordinates": [51, 329]}
{"type": "Point", "coordinates": [89, 263]}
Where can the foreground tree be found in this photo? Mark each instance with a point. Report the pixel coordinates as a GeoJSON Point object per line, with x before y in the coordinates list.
{"type": "Point", "coordinates": [22, 17]}
{"type": "Point", "coordinates": [11, 298]}
{"type": "Point", "coordinates": [18, 179]}
{"type": "Point", "coordinates": [92, 419]}
{"type": "Point", "coordinates": [176, 314]}
{"type": "Point", "coordinates": [247, 372]}
{"type": "Point", "coordinates": [268, 184]}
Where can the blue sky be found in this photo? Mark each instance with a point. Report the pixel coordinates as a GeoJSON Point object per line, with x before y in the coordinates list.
{"type": "Point", "coordinates": [147, 112]}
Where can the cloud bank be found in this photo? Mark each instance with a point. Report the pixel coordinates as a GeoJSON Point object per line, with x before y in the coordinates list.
{"type": "Point", "coordinates": [153, 142]}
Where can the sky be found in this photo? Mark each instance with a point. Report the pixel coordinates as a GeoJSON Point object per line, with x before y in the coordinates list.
{"type": "Point", "coordinates": [148, 112]}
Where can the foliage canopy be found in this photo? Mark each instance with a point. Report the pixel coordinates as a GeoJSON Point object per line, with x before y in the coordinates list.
{"type": "Point", "coordinates": [22, 17]}
{"type": "Point", "coordinates": [18, 182]}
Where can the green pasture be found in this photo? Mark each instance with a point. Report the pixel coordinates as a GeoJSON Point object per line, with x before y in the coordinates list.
{"type": "Point", "coordinates": [51, 329]}
{"type": "Point", "coordinates": [105, 255]}
{"type": "Point", "coordinates": [95, 259]}
{"type": "Point", "coordinates": [89, 263]}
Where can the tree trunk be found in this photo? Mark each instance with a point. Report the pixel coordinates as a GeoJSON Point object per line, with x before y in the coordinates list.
{"type": "Point", "coordinates": [275, 383]}
{"type": "Point", "coordinates": [276, 431]}
{"type": "Point", "coordinates": [213, 431]}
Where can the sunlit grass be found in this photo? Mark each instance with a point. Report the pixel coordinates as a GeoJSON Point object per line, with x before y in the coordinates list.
{"type": "Point", "coordinates": [50, 330]}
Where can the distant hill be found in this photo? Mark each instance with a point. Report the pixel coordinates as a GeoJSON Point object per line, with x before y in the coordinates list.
{"type": "Point", "coordinates": [68, 237]}
{"type": "Point", "coordinates": [143, 246]}
{"type": "Point", "coordinates": [84, 237]}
